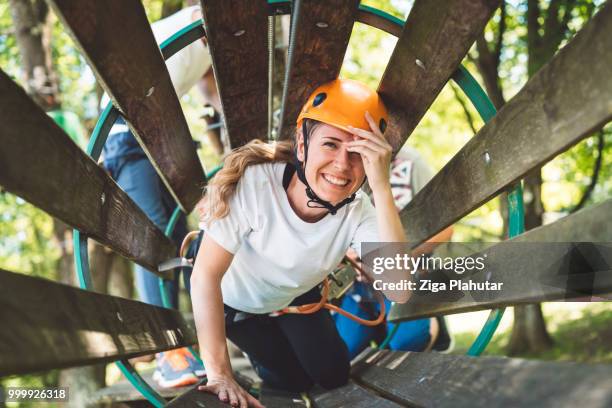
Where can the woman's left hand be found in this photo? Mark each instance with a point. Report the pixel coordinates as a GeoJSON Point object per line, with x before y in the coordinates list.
{"type": "Point", "coordinates": [375, 153]}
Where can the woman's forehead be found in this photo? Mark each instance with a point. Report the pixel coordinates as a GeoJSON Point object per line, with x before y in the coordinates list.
{"type": "Point", "coordinates": [322, 130]}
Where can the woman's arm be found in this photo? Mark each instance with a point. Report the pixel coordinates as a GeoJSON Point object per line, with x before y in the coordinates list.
{"type": "Point", "coordinates": [209, 317]}
{"type": "Point", "coordinates": [376, 155]}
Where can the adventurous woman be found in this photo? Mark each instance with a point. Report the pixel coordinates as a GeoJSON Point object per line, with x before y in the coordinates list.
{"type": "Point", "coordinates": [277, 219]}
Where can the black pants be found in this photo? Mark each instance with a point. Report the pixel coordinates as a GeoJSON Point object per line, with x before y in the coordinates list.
{"type": "Point", "coordinates": [294, 351]}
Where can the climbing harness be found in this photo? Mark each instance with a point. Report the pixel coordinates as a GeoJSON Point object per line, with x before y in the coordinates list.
{"type": "Point", "coordinates": [188, 253]}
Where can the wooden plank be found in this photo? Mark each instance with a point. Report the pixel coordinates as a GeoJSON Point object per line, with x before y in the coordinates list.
{"type": "Point", "coordinates": [436, 36]}
{"type": "Point", "coordinates": [272, 398]}
{"type": "Point", "coordinates": [128, 64]}
{"type": "Point", "coordinates": [237, 32]}
{"type": "Point", "coordinates": [542, 264]}
{"type": "Point", "coordinates": [564, 102]}
{"type": "Point", "coordinates": [350, 395]}
{"type": "Point", "coordinates": [51, 325]}
{"type": "Point", "coordinates": [40, 163]}
{"type": "Point", "coordinates": [322, 31]}
{"type": "Point", "coordinates": [439, 380]}
{"type": "Point", "coordinates": [195, 398]}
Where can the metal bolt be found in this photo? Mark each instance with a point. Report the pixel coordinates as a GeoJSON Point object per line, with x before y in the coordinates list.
{"type": "Point", "coordinates": [119, 317]}
{"type": "Point", "coordinates": [487, 158]}
{"type": "Point", "coordinates": [150, 91]}
{"type": "Point", "coordinates": [420, 64]}
{"type": "Point", "coordinates": [103, 198]}
{"type": "Point", "coordinates": [322, 24]}
{"type": "Point", "coordinates": [239, 33]}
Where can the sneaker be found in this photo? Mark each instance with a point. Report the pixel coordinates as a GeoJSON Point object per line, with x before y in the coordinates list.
{"type": "Point", "coordinates": [173, 369]}
{"type": "Point", "coordinates": [444, 342]}
{"type": "Point", "coordinates": [196, 365]}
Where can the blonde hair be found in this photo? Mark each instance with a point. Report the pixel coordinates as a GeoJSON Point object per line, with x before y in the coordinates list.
{"type": "Point", "coordinates": [215, 203]}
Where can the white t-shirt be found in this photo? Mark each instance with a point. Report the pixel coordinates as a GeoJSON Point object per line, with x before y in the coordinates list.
{"type": "Point", "coordinates": [277, 255]}
{"type": "Point", "coordinates": [187, 66]}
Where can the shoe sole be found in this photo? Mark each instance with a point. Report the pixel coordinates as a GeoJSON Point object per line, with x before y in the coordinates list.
{"type": "Point", "coordinates": [179, 382]}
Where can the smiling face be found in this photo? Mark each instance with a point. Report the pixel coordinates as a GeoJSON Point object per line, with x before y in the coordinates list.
{"type": "Point", "coordinates": [332, 171]}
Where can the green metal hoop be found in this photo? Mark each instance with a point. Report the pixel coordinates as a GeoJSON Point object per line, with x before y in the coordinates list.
{"type": "Point", "coordinates": [193, 32]}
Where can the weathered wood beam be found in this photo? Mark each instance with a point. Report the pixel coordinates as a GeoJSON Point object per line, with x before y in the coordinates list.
{"type": "Point", "coordinates": [540, 265]}
{"type": "Point", "coordinates": [439, 380]}
{"type": "Point", "coordinates": [51, 325]}
{"type": "Point", "coordinates": [237, 32]}
{"type": "Point", "coordinates": [436, 37]}
{"type": "Point", "coordinates": [565, 101]}
{"type": "Point", "coordinates": [350, 395]}
{"type": "Point", "coordinates": [40, 163]}
{"type": "Point", "coordinates": [195, 398]}
{"type": "Point", "coordinates": [271, 398]}
{"type": "Point", "coordinates": [322, 30]}
{"type": "Point", "coordinates": [117, 41]}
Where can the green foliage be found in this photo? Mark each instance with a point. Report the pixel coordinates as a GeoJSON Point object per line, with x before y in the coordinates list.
{"type": "Point", "coordinates": [582, 336]}
{"type": "Point", "coordinates": [26, 244]}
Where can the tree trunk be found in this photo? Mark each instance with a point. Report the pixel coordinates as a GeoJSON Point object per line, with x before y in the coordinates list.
{"type": "Point", "coordinates": [529, 328]}
{"type": "Point", "coordinates": [546, 29]}
{"type": "Point", "coordinates": [32, 32]}
{"type": "Point", "coordinates": [528, 331]}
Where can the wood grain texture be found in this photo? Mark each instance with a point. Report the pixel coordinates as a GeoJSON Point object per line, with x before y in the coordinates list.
{"type": "Point", "coordinates": [195, 398]}
{"type": "Point", "coordinates": [237, 33]}
{"type": "Point", "coordinates": [117, 41]}
{"type": "Point", "coordinates": [350, 395]}
{"type": "Point", "coordinates": [317, 53]}
{"type": "Point", "coordinates": [40, 163]}
{"type": "Point", "coordinates": [51, 325]}
{"type": "Point", "coordinates": [542, 264]}
{"type": "Point", "coordinates": [565, 101]}
{"type": "Point", "coordinates": [437, 33]}
{"type": "Point", "coordinates": [439, 380]}
{"type": "Point", "coordinates": [272, 398]}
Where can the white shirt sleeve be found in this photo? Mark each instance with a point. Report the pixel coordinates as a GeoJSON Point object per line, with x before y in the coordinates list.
{"type": "Point", "coordinates": [367, 230]}
{"type": "Point", "coordinates": [230, 231]}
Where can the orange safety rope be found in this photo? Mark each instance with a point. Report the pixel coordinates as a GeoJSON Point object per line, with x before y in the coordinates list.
{"type": "Point", "coordinates": [314, 307]}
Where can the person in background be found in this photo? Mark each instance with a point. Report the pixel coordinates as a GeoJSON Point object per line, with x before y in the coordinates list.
{"type": "Point", "coordinates": [409, 174]}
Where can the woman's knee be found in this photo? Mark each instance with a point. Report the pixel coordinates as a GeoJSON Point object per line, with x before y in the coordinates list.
{"type": "Point", "coordinates": [333, 376]}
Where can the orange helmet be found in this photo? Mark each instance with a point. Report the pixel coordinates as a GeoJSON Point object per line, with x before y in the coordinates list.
{"type": "Point", "coordinates": [342, 103]}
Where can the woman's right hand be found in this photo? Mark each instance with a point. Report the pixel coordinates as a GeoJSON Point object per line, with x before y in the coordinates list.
{"type": "Point", "coordinates": [228, 390]}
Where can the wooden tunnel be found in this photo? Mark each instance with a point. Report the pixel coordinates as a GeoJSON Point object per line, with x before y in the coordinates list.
{"type": "Point", "coordinates": [557, 108]}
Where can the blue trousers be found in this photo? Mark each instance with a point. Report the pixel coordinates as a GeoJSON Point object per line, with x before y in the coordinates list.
{"type": "Point", "coordinates": [411, 336]}
{"type": "Point", "coordinates": [137, 177]}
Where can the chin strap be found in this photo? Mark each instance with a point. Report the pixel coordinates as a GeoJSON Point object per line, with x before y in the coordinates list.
{"type": "Point", "coordinates": [314, 200]}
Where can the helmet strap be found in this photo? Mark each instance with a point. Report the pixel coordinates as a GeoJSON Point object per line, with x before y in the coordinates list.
{"type": "Point", "coordinates": [314, 201]}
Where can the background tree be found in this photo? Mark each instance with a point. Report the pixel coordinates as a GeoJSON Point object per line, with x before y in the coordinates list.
{"type": "Point", "coordinates": [548, 24]}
